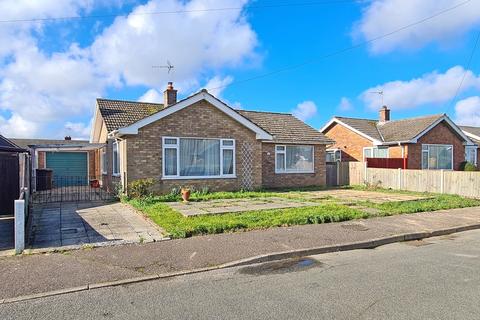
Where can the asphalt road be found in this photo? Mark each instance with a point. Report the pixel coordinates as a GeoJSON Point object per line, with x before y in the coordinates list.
{"type": "Point", "coordinates": [437, 278]}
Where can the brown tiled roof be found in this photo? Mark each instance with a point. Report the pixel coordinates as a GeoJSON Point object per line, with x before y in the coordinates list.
{"type": "Point", "coordinates": [25, 143]}
{"type": "Point", "coordinates": [406, 129]}
{"type": "Point", "coordinates": [365, 126]}
{"type": "Point", "coordinates": [472, 130]}
{"type": "Point", "coordinates": [392, 131]}
{"type": "Point", "coordinates": [118, 113]}
{"type": "Point", "coordinates": [285, 127]}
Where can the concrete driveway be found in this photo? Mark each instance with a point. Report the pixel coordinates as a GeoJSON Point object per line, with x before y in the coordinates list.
{"type": "Point", "coordinates": [66, 224]}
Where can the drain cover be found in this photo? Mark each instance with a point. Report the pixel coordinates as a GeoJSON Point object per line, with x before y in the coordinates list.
{"type": "Point", "coordinates": [283, 266]}
{"type": "Point", "coordinates": [354, 227]}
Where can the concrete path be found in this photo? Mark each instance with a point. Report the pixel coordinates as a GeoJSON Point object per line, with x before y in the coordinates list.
{"type": "Point", "coordinates": [57, 225]}
{"type": "Point", "coordinates": [29, 274]}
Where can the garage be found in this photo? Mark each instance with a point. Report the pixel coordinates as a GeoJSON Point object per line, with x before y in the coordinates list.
{"type": "Point", "coordinates": [68, 168]}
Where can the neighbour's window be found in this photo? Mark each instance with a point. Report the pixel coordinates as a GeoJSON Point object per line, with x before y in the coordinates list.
{"type": "Point", "coordinates": [471, 154]}
{"type": "Point", "coordinates": [116, 159]}
{"type": "Point", "coordinates": [198, 158]}
{"type": "Point", "coordinates": [294, 159]}
{"type": "Point", "coordinates": [103, 160]}
{"type": "Point", "coordinates": [375, 152]}
{"type": "Point", "coordinates": [334, 155]}
{"type": "Point", "coordinates": [437, 156]}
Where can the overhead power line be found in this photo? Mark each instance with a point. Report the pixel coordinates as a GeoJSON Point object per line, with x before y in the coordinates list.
{"type": "Point", "coordinates": [246, 7]}
{"type": "Point", "coordinates": [346, 49]}
{"type": "Point", "coordinates": [467, 67]}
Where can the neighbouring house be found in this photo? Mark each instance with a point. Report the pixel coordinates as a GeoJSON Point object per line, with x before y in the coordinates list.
{"type": "Point", "coordinates": [73, 162]}
{"type": "Point", "coordinates": [10, 175]}
{"type": "Point", "coordinates": [428, 142]}
{"type": "Point", "coordinates": [474, 134]}
{"type": "Point", "coordinates": [201, 142]}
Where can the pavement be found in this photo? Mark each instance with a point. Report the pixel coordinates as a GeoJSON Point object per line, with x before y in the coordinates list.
{"type": "Point", "coordinates": [42, 273]}
{"type": "Point", "coordinates": [435, 278]}
{"type": "Point", "coordinates": [55, 225]}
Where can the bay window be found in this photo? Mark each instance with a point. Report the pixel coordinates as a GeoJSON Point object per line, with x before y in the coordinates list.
{"type": "Point", "coordinates": [198, 158]}
{"type": "Point", "coordinates": [116, 159]}
{"type": "Point", "coordinates": [294, 159]}
{"type": "Point", "coordinates": [471, 154]}
{"type": "Point", "coordinates": [437, 156]}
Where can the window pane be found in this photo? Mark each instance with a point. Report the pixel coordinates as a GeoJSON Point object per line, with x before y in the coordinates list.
{"type": "Point", "coordinates": [280, 164]}
{"type": "Point", "coordinates": [116, 159]}
{"type": "Point", "coordinates": [444, 157]}
{"type": "Point", "coordinates": [424, 160]}
{"type": "Point", "coordinates": [227, 161]}
{"type": "Point", "coordinates": [367, 153]}
{"type": "Point", "coordinates": [227, 143]}
{"type": "Point", "coordinates": [280, 148]}
{"type": "Point", "coordinates": [330, 156]}
{"type": "Point", "coordinates": [470, 155]}
{"type": "Point", "coordinates": [170, 162]}
{"type": "Point", "coordinates": [170, 141]}
{"type": "Point", "coordinates": [381, 153]}
{"type": "Point", "coordinates": [299, 158]}
{"type": "Point", "coordinates": [199, 157]}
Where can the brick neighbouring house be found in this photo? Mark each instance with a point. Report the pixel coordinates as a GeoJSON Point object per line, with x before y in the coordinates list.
{"type": "Point", "coordinates": [429, 142]}
{"type": "Point", "coordinates": [202, 142]}
{"type": "Point", "coordinates": [474, 134]}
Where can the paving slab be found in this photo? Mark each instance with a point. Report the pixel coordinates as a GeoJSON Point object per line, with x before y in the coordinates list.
{"type": "Point", "coordinates": [236, 205]}
{"type": "Point", "coordinates": [64, 224]}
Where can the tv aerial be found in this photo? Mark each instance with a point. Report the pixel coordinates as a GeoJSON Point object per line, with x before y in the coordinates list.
{"type": "Point", "coordinates": [380, 93]}
{"type": "Point", "coordinates": [168, 66]}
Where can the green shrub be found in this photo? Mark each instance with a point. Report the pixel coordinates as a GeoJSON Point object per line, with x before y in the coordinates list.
{"type": "Point", "coordinates": [140, 188]}
{"type": "Point", "coordinates": [468, 166]}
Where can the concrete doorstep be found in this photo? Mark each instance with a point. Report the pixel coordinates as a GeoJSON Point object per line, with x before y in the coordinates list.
{"type": "Point", "coordinates": [55, 274]}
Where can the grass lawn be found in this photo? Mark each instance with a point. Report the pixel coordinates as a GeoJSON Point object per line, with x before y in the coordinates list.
{"type": "Point", "coordinates": [328, 210]}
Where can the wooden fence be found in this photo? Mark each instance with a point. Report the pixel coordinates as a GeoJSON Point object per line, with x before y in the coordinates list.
{"type": "Point", "coordinates": [435, 181]}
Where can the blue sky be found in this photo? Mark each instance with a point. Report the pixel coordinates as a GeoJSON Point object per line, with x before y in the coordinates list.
{"type": "Point", "coordinates": [51, 71]}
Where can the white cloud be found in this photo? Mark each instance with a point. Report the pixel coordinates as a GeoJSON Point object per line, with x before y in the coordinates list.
{"type": "Point", "coordinates": [305, 110]}
{"type": "Point", "coordinates": [194, 42]}
{"type": "Point", "coordinates": [217, 85]}
{"type": "Point", "coordinates": [467, 111]}
{"type": "Point", "coordinates": [345, 104]}
{"type": "Point", "coordinates": [47, 90]}
{"type": "Point", "coordinates": [152, 95]}
{"type": "Point", "coordinates": [383, 16]}
{"type": "Point", "coordinates": [430, 88]}
{"type": "Point", "coordinates": [76, 130]}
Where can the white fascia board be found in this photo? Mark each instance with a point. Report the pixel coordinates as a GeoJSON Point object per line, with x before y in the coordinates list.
{"type": "Point", "coordinates": [451, 124]}
{"type": "Point", "coordinates": [335, 120]}
{"type": "Point", "coordinates": [133, 129]}
{"type": "Point", "coordinates": [471, 135]}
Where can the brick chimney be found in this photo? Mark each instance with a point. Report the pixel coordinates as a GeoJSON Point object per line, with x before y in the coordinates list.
{"type": "Point", "coordinates": [169, 95]}
{"type": "Point", "coordinates": [384, 114]}
{"type": "Point", "coordinates": [68, 138]}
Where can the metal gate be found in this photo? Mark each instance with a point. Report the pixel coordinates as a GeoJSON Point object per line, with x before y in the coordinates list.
{"type": "Point", "coordinates": [54, 188]}
{"type": "Point", "coordinates": [10, 182]}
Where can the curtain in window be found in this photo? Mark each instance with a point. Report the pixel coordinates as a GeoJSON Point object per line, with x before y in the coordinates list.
{"type": "Point", "coordinates": [299, 158]}
{"type": "Point", "coordinates": [227, 161]}
{"type": "Point", "coordinates": [199, 157]}
{"type": "Point", "coordinates": [170, 162]}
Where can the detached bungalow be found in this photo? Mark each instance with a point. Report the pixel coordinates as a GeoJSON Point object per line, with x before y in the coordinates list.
{"type": "Point", "coordinates": [429, 142]}
{"type": "Point", "coordinates": [202, 142]}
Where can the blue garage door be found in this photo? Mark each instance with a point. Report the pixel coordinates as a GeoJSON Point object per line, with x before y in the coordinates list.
{"type": "Point", "coordinates": [69, 168]}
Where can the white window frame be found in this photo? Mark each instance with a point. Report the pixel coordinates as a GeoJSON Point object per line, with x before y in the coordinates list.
{"type": "Point", "coordinates": [373, 148]}
{"type": "Point", "coordinates": [428, 157]}
{"type": "Point", "coordinates": [103, 160]}
{"type": "Point", "coordinates": [475, 149]}
{"type": "Point", "coordinates": [117, 145]}
{"type": "Point", "coordinates": [284, 152]}
{"type": "Point", "coordinates": [334, 152]}
{"type": "Point", "coordinates": [177, 147]}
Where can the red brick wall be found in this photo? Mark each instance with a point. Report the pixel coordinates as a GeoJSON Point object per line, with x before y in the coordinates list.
{"type": "Point", "coordinates": [441, 134]}
{"type": "Point", "coordinates": [286, 180]}
{"type": "Point", "coordinates": [349, 142]}
{"type": "Point", "coordinates": [41, 160]}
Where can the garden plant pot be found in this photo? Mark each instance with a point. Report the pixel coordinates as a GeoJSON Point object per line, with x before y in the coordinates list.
{"type": "Point", "coordinates": [185, 195]}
